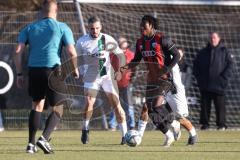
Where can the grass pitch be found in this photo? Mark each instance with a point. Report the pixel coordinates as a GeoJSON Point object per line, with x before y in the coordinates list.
{"type": "Point", "coordinates": [105, 145]}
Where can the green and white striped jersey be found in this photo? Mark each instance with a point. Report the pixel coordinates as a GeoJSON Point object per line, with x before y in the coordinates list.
{"type": "Point", "coordinates": [96, 56]}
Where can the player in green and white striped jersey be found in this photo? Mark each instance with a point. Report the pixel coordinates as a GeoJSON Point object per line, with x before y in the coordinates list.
{"type": "Point", "coordinates": [94, 49]}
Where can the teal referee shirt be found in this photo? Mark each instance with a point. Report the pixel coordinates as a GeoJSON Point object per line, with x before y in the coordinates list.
{"type": "Point", "coordinates": [45, 38]}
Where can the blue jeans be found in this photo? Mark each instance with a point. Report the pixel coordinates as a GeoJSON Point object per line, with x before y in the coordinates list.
{"type": "Point", "coordinates": [126, 102]}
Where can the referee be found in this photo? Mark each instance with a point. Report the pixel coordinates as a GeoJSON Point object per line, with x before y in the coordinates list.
{"type": "Point", "coordinates": [45, 38]}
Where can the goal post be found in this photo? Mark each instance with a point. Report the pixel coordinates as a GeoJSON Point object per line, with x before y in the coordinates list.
{"type": "Point", "coordinates": [78, 7]}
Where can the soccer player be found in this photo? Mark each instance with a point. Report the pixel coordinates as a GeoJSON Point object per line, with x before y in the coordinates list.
{"type": "Point", "coordinates": [45, 38]}
{"type": "Point", "coordinates": [178, 103]}
{"type": "Point", "coordinates": [160, 55]}
{"type": "Point", "coordinates": [95, 48]}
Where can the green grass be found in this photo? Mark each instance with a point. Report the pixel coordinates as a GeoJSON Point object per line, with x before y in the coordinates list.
{"type": "Point", "coordinates": [104, 145]}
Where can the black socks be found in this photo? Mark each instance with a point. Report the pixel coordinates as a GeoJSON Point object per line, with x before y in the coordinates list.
{"type": "Point", "coordinates": [33, 124]}
{"type": "Point", "coordinates": [51, 123]}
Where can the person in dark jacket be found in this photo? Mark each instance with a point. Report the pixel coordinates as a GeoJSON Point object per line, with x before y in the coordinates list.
{"type": "Point", "coordinates": [212, 69]}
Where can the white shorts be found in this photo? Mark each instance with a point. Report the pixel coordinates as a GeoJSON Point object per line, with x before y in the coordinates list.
{"type": "Point", "coordinates": [178, 103]}
{"type": "Point", "coordinates": [108, 85]}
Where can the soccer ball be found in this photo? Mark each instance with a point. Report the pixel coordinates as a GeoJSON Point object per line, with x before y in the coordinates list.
{"type": "Point", "coordinates": [133, 138]}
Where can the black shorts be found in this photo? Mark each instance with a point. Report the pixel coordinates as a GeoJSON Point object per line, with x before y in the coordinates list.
{"type": "Point", "coordinates": [41, 87]}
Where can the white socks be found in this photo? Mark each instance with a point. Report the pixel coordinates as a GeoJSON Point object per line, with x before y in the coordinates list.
{"type": "Point", "coordinates": [85, 125]}
{"type": "Point", "coordinates": [193, 132]}
{"type": "Point", "coordinates": [169, 133]}
{"type": "Point", "coordinates": [176, 125]}
{"type": "Point", "coordinates": [123, 128]}
{"type": "Point", "coordinates": [141, 127]}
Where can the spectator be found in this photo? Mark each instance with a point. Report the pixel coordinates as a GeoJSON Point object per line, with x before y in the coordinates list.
{"type": "Point", "coordinates": [124, 87]}
{"type": "Point", "coordinates": [212, 69]}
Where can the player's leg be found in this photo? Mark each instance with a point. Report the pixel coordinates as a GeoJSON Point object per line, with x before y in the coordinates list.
{"type": "Point", "coordinates": [88, 111]}
{"type": "Point", "coordinates": [37, 90]}
{"type": "Point", "coordinates": [180, 114]}
{"type": "Point", "coordinates": [87, 116]}
{"type": "Point", "coordinates": [187, 124]}
{"type": "Point", "coordinates": [176, 128]}
{"type": "Point", "coordinates": [56, 101]}
{"type": "Point", "coordinates": [178, 103]}
{"type": "Point", "coordinates": [142, 123]}
{"type": "Point", "coordinates": [50, 124]}
{"type": "Point", "coordinates": [125, 100]}
{"type": "Point", "coordinates": [120, 114]}
{"type": "Point", "coordinates": [90, 91]}
{"type": "Point", "coordinates": [104, 118]}
{"type": "Point", "coordinates": [162, 117]}
{"type": "Point", "coordinates": [172, 101]}
{"type": "Point", "coordinates": [110, 88]}
{"type": "Point", "coordinates": [34, 124]}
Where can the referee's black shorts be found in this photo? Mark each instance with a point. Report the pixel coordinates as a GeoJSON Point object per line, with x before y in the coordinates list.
{"type": "Point", "coordinates": [39, 85]}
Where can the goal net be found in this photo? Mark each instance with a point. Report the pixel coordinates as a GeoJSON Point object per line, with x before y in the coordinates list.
{"type": "Point", "coordinates": [187, 24]}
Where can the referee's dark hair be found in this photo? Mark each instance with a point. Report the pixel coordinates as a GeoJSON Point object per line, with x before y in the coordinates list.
{"type": "Point", "coordinates": [151, 20]}
{"type": "Point", "coordinates": [47, 5]}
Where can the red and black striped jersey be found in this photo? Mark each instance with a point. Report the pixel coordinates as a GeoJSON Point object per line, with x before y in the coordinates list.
{"type": "Point", "coordinates": [157, 52]}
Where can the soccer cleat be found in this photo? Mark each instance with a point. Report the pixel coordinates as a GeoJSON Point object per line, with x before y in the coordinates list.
{"type": "Point", "coordinates": [44, 145]}
{"type": "Point", "coordinates": [168, 141]}
{"type": "Point", "coordinates": [31, 148]}
{"type": "Point", "coordinates": [85, 136]}
{"type": "Point", "coordinates": [123, 141]}
{"type": "Point", "coordinates": [192, 140]}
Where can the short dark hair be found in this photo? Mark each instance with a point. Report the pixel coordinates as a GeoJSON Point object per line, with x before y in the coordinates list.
{"type": "Point", "coordinates": [47, 5]}
{"type": "Point", "coordinates": [94, 19]}
{"type": "Point", "coordinates": [151, 20]}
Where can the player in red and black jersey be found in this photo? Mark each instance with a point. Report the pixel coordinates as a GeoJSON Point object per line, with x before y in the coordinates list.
{"type": "Point", "coordinates": [160, 55]}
